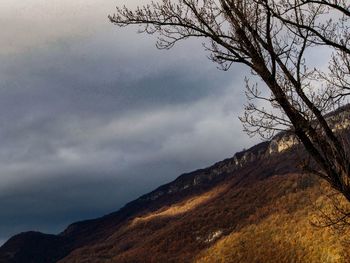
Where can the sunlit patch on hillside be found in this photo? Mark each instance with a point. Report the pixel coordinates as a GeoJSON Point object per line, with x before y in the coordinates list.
{"type": "Point", "coordinates": [267, 220]}
{"type": "Point", "coordinates": [182, 207]}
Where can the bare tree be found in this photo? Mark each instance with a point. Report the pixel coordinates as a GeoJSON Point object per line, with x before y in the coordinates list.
{"type": "Point", "coordinates": [272, 38]}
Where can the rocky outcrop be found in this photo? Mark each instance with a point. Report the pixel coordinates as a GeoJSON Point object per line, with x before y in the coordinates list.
{"type": "Point", "coordinates": [282, 143]}
{"type": "Point", "coordinates": [341, 121]}
{"type": "Point", "coordinates": [186, 182]}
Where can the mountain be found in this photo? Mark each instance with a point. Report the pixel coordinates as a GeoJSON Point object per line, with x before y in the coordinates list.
{"type": "Point", "coordinates": [254, 207]}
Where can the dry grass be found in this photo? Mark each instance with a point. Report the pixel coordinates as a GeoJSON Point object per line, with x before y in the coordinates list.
{"type": "Point", "coordinates": [180, 208]}
{"type": "Point", "coordinates": [263, 221]}
{"type": "Point", "coordinates": [284, 237]}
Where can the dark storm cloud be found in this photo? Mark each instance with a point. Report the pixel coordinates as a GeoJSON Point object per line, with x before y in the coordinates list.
{"type": "Point", "coordinates": [98, 77]}
{"type": "Point", "coordinates": [84, 116]}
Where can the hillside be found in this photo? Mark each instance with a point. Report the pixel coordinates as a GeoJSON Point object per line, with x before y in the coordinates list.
{"type": "Point", "coordinates": [254, 207]}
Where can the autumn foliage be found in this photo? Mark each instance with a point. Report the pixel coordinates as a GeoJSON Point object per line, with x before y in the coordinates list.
{"type": "Point", "coordinates": [247, 218]}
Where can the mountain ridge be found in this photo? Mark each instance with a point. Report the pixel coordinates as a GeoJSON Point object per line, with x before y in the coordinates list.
{"type": "Point", "coordinates": [244, 170]}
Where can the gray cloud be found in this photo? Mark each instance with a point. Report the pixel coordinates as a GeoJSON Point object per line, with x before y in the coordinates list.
{"type": "Point", "coordinates": [90, 112]}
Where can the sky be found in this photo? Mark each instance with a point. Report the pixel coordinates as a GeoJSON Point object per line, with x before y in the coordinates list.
{"type": "Point", "coordinates": [93, 116]}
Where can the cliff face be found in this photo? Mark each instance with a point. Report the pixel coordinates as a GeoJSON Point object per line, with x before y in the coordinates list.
{"type": "Point", "coordinates": [221, 170]}
{"type": "Point", "coordinates": [179, 220]}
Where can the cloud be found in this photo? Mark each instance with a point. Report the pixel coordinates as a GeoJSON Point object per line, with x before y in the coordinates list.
{"type": "Point", "coordinates": [33, 23]}
{"type": "Point", "coordinates": [94, 158]}
{"type": "Point", "coordinates": [38, 144]}
{"type": "Point", "coordinates": [86, 109]}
